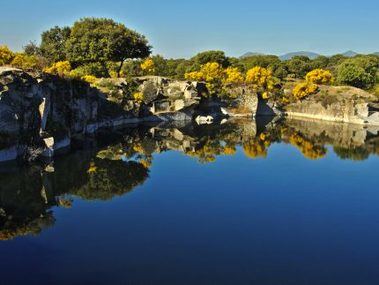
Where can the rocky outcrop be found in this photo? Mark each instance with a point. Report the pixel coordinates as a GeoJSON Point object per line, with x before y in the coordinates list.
{"type": "Point", "coordinates": [42, 114]}
{"type": "Point", "coordinates": [242, 102]}
{"type": "Point", "coordinates": [338, 104]}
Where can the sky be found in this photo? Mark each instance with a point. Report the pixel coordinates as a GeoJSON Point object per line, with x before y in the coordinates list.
{"type": "Point", "coordinates": [178, 28]}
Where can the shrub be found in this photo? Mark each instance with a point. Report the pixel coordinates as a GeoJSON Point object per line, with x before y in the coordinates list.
{"type": "Point", "coordinates": [138, 96]}
{"type": "Point", "coordinates": [94, 69]}
{"type": "Point", "coordinates": [90, 79]}
{"type": "Point", "coordinates": [6, 55]}
{"type": "Point", "coordinates": [148, 66]}
{"type": "Point", "coordinates": [304, 89]}
{"type": "Point", "coordinates": [233, 76]}
{"type": "Point", "coordinates": [319, 76]}
{"type": "Point", "coordinates": [351, 74]}
{"type": "Point", "coordinates": [24, 61]}
{"type": "Point", "coordinates": [212, 73]}
{"type": "Point", "coordinates": [262, 79]}
{"type": "Point", "coordinates": [61, 68]}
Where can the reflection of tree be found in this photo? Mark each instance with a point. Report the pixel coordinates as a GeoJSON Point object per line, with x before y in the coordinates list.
{"type": "Point", "coordinates": [354, 153]}
{"type": "Point", "coordinates": [257, 146]}
{"type": "Point", "coordinates": [11, 229]}
{"type": "Point", "coordinates": [309, 149]}
{"type": "Point", "coordinates": [110, 178]}
{"type": "Point", "coordinates": [26, 196]}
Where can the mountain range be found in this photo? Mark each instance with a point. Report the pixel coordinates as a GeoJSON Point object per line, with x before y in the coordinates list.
{"type": "Point", "coordinates": [311, 55]}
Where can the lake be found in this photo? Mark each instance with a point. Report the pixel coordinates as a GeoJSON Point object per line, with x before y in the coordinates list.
{"type": "Point", "coordinates": [244, 202]}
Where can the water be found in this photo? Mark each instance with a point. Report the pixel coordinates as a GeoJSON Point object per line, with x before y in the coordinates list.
{"type": "Point", "coordinates": [242, 203]}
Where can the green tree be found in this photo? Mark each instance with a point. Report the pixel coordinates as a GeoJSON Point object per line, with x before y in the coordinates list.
{"type": "Point", "coordinates": [32, 49]}
{"type": "Point", "coordinates": [299, 66]}
{"type": "Point", "coordinates": [205, 57]}
{"type": "Point", "coordinates": [351, 74]}
{"type": "Point", "coordinates": [53, 43]}
{"type": "Point", "coordinates": [320, 62]}
{"type": "Point", "coordinates": [265, 61]}
{"type": "Point", "coordinates": [102, 40]}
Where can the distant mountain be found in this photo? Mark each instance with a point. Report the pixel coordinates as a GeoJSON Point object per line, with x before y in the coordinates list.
{"type": "Point", "coordinates": [350, 53]}
{"type": "Point", "coordinates": [250, 54]}
{"type": "Point", "coordinates": [287, 56]}
{"type": "Point", "coordinates": [376, 53]}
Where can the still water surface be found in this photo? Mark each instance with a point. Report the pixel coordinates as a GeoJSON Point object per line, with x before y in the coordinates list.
{"type": "Point", "coordinates": [242, 203]}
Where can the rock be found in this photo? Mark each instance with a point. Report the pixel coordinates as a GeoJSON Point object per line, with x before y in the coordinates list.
{"type": "Point", "coordinates": [204, 120]}
{"type": "Point", "coordinates": [337, 104]}
{"type": "Point", "coordinates": [244, 104]}
{"type": "Point", "coordinates": [20, 97]}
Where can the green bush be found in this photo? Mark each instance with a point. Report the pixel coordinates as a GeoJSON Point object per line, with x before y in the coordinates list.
{"type": "Point", "coordinates": [351, 74]}
{"type": "Point", "coordinates": [94, 69]}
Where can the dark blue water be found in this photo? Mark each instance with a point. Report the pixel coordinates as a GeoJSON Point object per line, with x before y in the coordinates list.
{"type": "Point", "coordinates": [276, 219]}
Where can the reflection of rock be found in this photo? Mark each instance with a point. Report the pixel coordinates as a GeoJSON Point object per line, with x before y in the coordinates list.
{"type": "Point", "coordinates": [122, 162]}
{"type": "Point", "coordinates": [336, 134]}
{"type": "Point", "coordinates": [25, 208]}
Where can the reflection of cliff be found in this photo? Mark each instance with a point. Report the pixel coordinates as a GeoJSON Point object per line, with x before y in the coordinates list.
{"type": "Point", "coordinates": [27, 196]}
{"type": "Point", "coordinates": [122, 162]}
{"type": "Point", "coordinates": [355, 142]}
{"type": "Point", "coordinates": [24, 206]}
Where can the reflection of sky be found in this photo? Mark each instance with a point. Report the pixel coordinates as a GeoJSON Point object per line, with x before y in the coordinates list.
{"type": "Point", "coordinates": [228, 222]}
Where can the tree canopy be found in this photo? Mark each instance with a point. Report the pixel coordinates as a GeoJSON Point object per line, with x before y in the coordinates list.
{"type": "Point", "coordinates": [102, 40]}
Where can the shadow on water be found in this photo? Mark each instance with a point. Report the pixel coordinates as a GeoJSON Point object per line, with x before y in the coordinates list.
{"type": "Point", "coordinates": [113, 165]}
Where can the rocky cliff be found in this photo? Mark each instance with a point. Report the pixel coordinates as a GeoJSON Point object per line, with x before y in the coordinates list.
{"type": "Point", "coordinates": [338, 104]}
{"type": "Point", "coordinates": [41, 114]}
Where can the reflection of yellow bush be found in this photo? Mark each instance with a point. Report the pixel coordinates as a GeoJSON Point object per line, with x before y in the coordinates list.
{"type": "Point", "coordinates": [146, 163]}
{"type": "Point", "coordinates": [319, 76]}
{"type": "Point", "coordinates": [61, 68]}
{"type": "Point", "coordinates": [307, 148]}
{"type": "Point", "coordinates": [254, 149]}
{"type": "Point", "coordinates": [230, 150]}
{"type": "Point", "coordinates": [304, 89]}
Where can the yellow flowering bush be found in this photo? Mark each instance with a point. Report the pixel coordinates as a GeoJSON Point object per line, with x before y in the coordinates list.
{"type": "Point", "coordinates": [89, 78]}
{"type": "Point", "coordinates": [195, 75]}
{"type": "Point", "coordinates": [138, 96]}
{"type": "Point", "coordinates": [233, 76]}
{"type": "Point", "coordinates": [24, 61]}
{"type": "Point", "coordinates": [262, 79]}
{"type": "Point", "coordinates": [6, 55]}
{"type": "Point", "coordinates": [212, 73]}
{"type": "Point", "coordinates": [304, 89]}
{"type": "Point", "coordinates": [148, 66]}
{"type": "Point", "coordinates": [61, 68]}
{"type": "Point", "coordinates": [319, 76]}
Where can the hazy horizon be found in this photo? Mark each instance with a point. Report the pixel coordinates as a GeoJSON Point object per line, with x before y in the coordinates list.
{"type": "Point", "coordinates": [180, 30]}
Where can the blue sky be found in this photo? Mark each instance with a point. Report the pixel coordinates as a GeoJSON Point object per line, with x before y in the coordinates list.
{"type": "Point", "coordinates": [183, 28]}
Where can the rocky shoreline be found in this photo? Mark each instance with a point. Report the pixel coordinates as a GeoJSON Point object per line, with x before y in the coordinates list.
{"type": "Point", "coordinates": [41, 114]}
